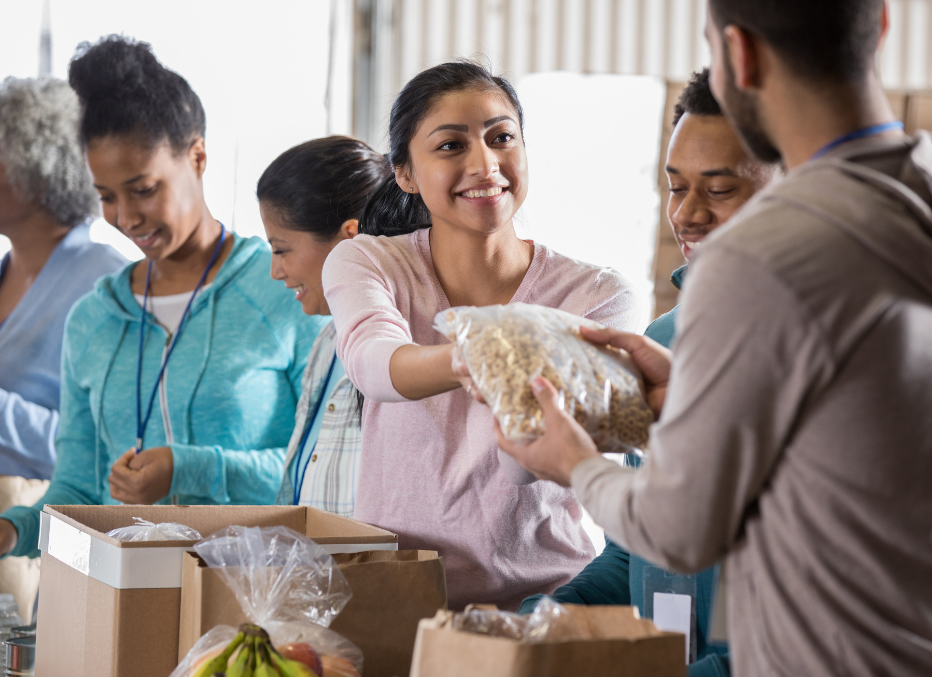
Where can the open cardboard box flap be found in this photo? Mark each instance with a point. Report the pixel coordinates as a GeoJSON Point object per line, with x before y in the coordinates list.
{"type": "Point", "coordinates": [318, 525]}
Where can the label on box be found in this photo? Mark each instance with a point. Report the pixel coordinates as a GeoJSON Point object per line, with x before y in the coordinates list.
{"type": "Point", "coordinates": [673, 613]}
{"type": "Point", "coordinates": [69, 545]}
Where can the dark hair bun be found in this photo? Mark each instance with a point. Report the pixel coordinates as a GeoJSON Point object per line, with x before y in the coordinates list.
{"type": "Point", "coordinates": [125, 90]}
{"type": "Point", "coordinates": [114, 66]}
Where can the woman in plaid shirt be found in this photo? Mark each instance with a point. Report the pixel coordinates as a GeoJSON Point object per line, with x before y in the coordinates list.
{"type": "Point", "coordinates": [310, 199]}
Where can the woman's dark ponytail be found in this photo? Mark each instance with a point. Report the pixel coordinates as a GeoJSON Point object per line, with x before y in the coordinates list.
{"type": "Point", "coordinates": [317, 185]}
{"type": "Point", "coordinates": [390, 210]}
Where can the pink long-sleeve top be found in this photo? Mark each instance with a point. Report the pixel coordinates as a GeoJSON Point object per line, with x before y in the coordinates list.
{"type": "Point", "coordinates": [430, 468]}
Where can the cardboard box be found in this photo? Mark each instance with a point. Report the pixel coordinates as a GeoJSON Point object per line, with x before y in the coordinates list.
{"type": "Point", "coordinates": [621, 644]}
{"type": "Point", "coordinates": [112, 609]}
{"type": "Point", "coordinates": [392, 592]}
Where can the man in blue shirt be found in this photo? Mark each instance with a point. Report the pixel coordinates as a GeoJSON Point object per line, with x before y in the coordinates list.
{"type": "Point", "coordinates": [710, 177]}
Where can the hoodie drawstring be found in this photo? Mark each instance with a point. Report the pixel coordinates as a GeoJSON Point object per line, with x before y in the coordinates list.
{"type": "Point", "coordinates": [188, 412]}
{"type": "Point", "coordinates": [99, 447]}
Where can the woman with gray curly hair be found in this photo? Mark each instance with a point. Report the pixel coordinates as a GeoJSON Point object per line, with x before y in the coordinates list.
{"type": "Point", "coordinates": [46, 204]}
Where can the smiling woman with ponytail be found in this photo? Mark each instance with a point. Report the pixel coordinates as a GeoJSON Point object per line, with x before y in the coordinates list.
{"type": "Point", "coordinates": [180, 373]}
{"type": "Point", "coordinates": [440, 233]}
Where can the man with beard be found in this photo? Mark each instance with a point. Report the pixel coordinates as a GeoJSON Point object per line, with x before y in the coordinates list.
{"type": "Point", "coordinates": [710, 177]}
{"type": "Point", "coordinates": [795, 439]}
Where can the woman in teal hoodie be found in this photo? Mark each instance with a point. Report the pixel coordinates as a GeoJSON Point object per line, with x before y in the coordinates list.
{"type": "Point", "coordinates": [193, 401]}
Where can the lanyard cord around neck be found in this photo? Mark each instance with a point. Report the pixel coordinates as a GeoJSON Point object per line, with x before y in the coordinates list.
{"type": "Point", "coordinates": [141, 422]}
{"type": "Point", "coordinates": [300, 472]}
{"type": "Point", "coordinates": [873, 130]}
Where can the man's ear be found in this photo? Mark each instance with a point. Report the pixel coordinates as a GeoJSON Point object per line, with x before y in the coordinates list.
{"type": "Point", "coordinates": [349, 229]}
{"type": "Point", "coordinates": [197, 155]}
{"type": "Point", "coordinates": [743, 53]}
{"type": "Point", "coordinates": [884, 25]}
{"type": "Point", "coordinates": [405, 179]}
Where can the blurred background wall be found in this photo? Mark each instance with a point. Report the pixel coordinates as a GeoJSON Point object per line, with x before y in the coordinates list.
{"type": "Point", "coordinates": [597, 78]}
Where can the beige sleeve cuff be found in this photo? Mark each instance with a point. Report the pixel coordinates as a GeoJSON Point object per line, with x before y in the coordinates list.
{"type": "Point", "coordinates": [603, 487]}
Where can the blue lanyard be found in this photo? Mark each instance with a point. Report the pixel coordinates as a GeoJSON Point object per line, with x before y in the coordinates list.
{"type": "Point", "coordinates": [141, 422]}
{"type": "Point", "coordinates": [300, 472]}
{"type": "Point", "coordinates": [3, 264]}
{"type": "Point", "coordinates": [857, 134]}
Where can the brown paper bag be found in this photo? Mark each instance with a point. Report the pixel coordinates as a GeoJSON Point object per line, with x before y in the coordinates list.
{"type": "Point", "coordinates": [619, 642]}
{"type": "Point", "coordinates": [392, 592]}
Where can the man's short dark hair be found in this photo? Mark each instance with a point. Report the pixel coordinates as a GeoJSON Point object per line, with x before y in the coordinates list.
{"type": "Point", "coordinates": [826, 41]}
{"type": "Point", "coordinates": [696, 98]}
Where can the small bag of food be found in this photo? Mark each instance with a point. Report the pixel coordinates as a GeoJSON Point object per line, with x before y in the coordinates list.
{"type": "Point", "coordinates": [144, 530]}
{"type": "Point", "coordinates": [290, 589]}
{"type": "Point", "coordinates": [506, 347]}
{"type": "Point", "coordinates": [548, 622]}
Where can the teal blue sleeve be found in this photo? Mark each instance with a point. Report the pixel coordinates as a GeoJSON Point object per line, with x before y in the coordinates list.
{"type": "Point", "coordinates": [224, 476]}
{"type": "Point", "coordinates": [663, 329]}
{"type": "Point", "coordinates": [243, 477]}
{"type": "Point", "coordinates": [712, 665]}
{"type": "Point", "coordinates": [75, 478]}
{"type": "Point", "coordinates": [603, 581]}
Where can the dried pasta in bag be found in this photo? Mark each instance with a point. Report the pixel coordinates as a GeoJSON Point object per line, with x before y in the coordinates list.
{"type": "Point", "coordinates": [505, 347]}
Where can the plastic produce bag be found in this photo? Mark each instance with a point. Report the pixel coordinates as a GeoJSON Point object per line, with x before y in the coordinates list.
{"type": "Point", "coordinates": [551, 622]}
{"type": "Point", "coordinates": [288, 586]}
{"type": "Point", "coordinates": [548, 622]}
{"type": "Point", "coordinates": [145, 530]}
{"type": "Point", "coordinates": [491, 622]}
{"type": "Point", "coordinates": [505, 347]}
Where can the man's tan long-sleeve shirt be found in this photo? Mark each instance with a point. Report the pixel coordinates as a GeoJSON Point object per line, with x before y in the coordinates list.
{"type": "Point", "coordinates": [796, 437]}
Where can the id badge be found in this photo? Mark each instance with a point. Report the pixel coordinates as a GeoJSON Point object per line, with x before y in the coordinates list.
{"type": "Point", "coordinates": [670, 601]}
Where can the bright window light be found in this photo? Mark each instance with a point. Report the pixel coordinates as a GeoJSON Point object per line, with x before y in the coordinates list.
{"type": "Point", "coordinates": [260, 70]}
{"type": "Point", "coordinates": [593, 143]}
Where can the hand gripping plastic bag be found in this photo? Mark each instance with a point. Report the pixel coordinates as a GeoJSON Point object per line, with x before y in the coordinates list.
{"type": "Point", "coordinates": [505, 347]}
{"type": "Point", "coordinates": [290, 589]}
{"type": "Point", "coordinates": [145, 530]}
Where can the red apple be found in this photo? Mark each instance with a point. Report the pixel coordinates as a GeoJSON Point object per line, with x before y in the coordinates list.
{"type": "Point", "coordinates": [334, 666]}
{"type": "Point", "coordinates": [303, 653]}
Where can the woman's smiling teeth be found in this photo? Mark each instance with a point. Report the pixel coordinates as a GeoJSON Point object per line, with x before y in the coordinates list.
{"type": "Point", "coordinates": [485, 192]}
{"type": "Point", "coordinates": [299, 290]}
{"type": "Point", "coordinates": [144, 238]}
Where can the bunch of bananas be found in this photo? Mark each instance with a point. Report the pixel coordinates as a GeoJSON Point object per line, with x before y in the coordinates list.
{"type": "Point", "coordinates": [251, 654]}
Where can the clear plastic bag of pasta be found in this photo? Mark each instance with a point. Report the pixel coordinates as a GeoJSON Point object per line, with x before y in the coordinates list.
{"type": "Point", "coordinates": [506, 347]}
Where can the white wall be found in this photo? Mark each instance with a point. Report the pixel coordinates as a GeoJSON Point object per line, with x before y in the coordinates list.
{"type": "Point", "coordinates": [260, 70]}
{"type": "Point", "coordinates": [593, 143]}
